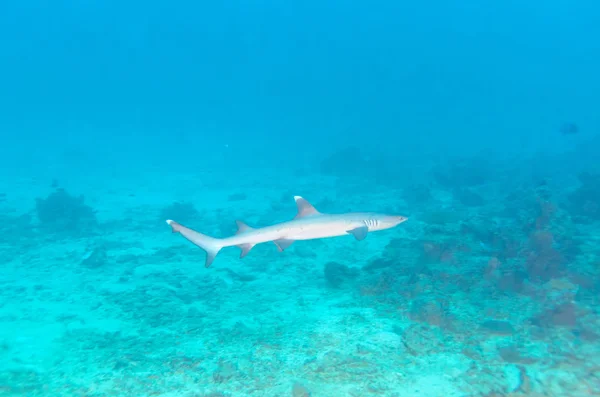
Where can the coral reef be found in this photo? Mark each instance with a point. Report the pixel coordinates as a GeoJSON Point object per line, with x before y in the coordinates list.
{"type": "Point", "coordinates": [417, 196]}
{"type": "Point", "coordinates": [337, 274]}
{"type": "Point", "coordinates": [182, 211]}
{"type": "Point", "coordinates": [62, 213]}
{"type": "Point", "coordinates": [299, 390]}
{"type": "Point", "coordinates": [353, 162]}
{"type": "Point", "coordinates": [348, 161]}
{"type": "Point", "coordinates": [584, 202]}
{"type": "Point", "coordinates": [468, 197]}
{"type": "Point", "coordinates": [95, 257]}
{"type": "Point", "coordinates": [490, 289]}
{"type": "Point", "coordinates": [237, 197]}
{"type": "Point", "coordinates": [463, 173]}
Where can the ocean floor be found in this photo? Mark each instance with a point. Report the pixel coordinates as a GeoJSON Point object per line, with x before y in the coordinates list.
{"type": "Point", "coordinates": [490, 297]}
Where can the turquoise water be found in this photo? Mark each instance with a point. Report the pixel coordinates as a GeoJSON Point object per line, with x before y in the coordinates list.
{"type": "Point", "coordinates": [479, 122]}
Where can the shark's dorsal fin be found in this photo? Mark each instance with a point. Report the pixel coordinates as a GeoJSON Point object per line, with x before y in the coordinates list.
{"type": "Point", "coordinates": [304, 208]}
{"type": "Point", "coordinates": [242, 227]}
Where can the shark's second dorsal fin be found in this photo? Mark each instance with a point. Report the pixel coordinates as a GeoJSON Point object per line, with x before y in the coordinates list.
{"type": "Point", "coordinates": [304, 208]}
{"type": "Point", "coordinates": [242, 227]}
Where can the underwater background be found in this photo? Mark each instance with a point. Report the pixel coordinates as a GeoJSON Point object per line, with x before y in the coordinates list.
{"type": "Point", "coordinates": [478, 120]}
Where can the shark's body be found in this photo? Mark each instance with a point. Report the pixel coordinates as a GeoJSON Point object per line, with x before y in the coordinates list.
{"type": "Point", "coordinates": [307, 225]}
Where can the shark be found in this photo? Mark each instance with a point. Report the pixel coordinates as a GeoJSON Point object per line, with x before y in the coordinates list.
{"type": "Point", "coordinates": [308, 224]}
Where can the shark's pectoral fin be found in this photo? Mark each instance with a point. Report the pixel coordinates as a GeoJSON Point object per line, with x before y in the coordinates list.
{"type": "Point", "coordinates": [360, 232]}
{"type": "Point", "coordinates": [245, 249]}
{"type": "Point", "coordinates": [242, 227]}
{"type": "Point", "coordinates": [283, 243]}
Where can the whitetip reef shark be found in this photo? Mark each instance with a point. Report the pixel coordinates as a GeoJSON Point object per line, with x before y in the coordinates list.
{"type": "Point", "coordinates": [308, 224]}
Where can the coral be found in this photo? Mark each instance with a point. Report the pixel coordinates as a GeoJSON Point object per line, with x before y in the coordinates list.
{"type": "Point", "coordinates": [348, 161]}
{"type": "Point", "coordinates": [62, 213]}
{"type": "Point", "coordinates": [95, 257]}
{"type": "Point", "coordinates": [421, 339]}
{"type": "Point", "coordinates": [512, 280]}
{"type": "Point", "coordinates": [500, 242]}
{"type": "Point", "coordinates": [225, 372]}
{"type": "Point", "coordinates": [468, 197]}
{"type": "Point", "coordinates": [353, 162]}
{"type": "Point", "coordinates": [237, 197]}
{"type": "Point", "coordinates": [299, 390]}
{"type": "Point", "coordinates": [379, 264]}
{"type": "Point", "coordinates": [560, 290]}
{"type": "Point", "coordinates": [511, 354]}
{"type": "Point", "coordinates": [181, 211]}
{"type": "Point", "coordinates": [585, 201]}
{"type": "Point", "coordinates": [336, 365]}
{"type": "Point", "coordinates": [544, 261]}
{"type": "Point", "coordinates": [417, 195]}
{"type": "Point", "coordinates": [430, 311]}
{"type": "Point", "coordinates": [436, 252]}
{"type": "Point", "coordinates": [337, 274]}
{"type": "Point", "coordinates": [460, 173]}
{"type": "Point", "coordinates": [497, 327]}
{"type": "Point", "coordinates": [563, 315]}
{"type": "Point", "coordinates": [398, 252]}
{"type": "Point", "coordinates": [378, 284]}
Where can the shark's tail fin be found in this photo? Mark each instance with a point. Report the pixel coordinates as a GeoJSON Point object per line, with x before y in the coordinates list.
{"type": "Point", "coordinates": [210, 245]}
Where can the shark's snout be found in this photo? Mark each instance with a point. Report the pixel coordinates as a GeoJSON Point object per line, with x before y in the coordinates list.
{"type": "Point", "coordinates": [388, 221]}
{"type": "Point", "coordinates": [401, 219]}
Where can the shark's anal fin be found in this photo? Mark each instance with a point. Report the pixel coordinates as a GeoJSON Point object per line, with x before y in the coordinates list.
{"type": "Point", "coordinates": [242, 227]}
{"type": "Point", "coordinates": [283, 243]}
{"type": "Point", "coordinates": [360, 232]}
{"type": "Point", "coordinates": [304, 208]}
{"type": "Point", "coordinates": [245, 249]}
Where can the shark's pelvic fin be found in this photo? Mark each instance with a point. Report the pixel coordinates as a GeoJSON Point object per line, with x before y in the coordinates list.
{"type": "Point", "coordinates": [304, 208]}
{"type": "Point", "coordinates": [283, 243]}
{"type": "Point", "coordinates": [242, 227]}
{"type": "Point", "coordinates": [245, 249]}
{"type": "Point", "coordinates": [360, 232]}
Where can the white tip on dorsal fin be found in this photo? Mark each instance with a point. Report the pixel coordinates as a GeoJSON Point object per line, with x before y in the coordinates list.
{"type": "Point", "coordinates": [304, 208]}
{"type": "Point", "coordinates": [242, 227]}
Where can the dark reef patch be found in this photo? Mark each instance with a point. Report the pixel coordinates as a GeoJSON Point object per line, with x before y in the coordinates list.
{"type": "Point", "coordinates": [462, 173]}
{"type": "Point", "coordinates": [237, 197]}
{"type": "Point", "coordinates": [62, 213]}
{"type": "Point", "coordinates": [181, 211]}
{"type": "Point", "coordinates": [584, 202]}
{"type": "Point", "coordinates": [348, 161]}
{"type": "Point", "coordinates": [337, 274]}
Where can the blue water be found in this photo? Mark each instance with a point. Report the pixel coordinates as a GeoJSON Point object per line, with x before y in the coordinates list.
{"type": "Point", "coordinates": [478, 121]}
